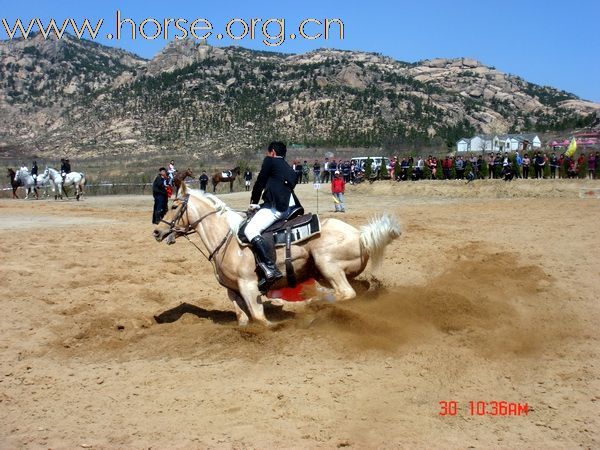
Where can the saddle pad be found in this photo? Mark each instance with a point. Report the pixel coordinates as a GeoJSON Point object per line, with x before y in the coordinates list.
{"type": "Point", "coordinates": [302, 227]}
{"type": "Point", "coordinates": [225, 174]}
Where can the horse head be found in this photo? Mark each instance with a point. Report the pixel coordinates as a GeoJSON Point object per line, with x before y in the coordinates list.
{"type": "Point", "coordinates": [189, 173]}
{"type": "Point", "coordinates": [175, 223]}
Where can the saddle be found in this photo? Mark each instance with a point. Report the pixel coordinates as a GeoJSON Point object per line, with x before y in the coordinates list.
{"type": "Point", "coordinates": [293, 229]}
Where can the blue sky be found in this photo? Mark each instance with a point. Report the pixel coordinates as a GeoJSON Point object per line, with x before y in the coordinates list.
{"type": "Point", "coordinates": [546, 42]}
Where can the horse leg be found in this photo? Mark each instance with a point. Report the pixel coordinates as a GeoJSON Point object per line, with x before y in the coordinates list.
{"type": "Point", "coordinates": [336, 276]}
{"type": "Point", "coordinates": [231, 186]}
{"type": "Point", "coordinates": [252, 297]}
{"type": "Point", "coordinates": [239, 306]}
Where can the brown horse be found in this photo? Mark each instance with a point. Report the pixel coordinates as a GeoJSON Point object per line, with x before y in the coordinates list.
{"type": "Point", "coordinates": [178, 177]}
{"type": "Point", "coordinates": [225, 176]}
{"type": "Point", "coordinates": [14, 183]}
{"type": "Point", "coordinates": [338, 253]}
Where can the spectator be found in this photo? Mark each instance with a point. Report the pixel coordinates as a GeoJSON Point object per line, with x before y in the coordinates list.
{"type": "Point", "coordinates": [404, 169]}
{"type": "Point", "coordinates": [393, 163]}
{"type": "Point", "coordinates": [490, 163]}
{"type": "Point", "coordinates": [447, 167]}
{"type": "Point", "coordinates": [159, 191]}
{"type": "Point", "coordinates": [553, 165]}
{"type": "Point", "coordinates": [317, 171]}
{"type": "Point", "coordinates": [433, 167]}
{"type": "Point", "coordinates": [473, 161]}
{"type": "Point", "coordinates": [580, 163]}
{"type": "Point", "coordinates": [539, 163]}
{"type": "Point", "coordinates": [470, 176]}
{"type": "Point", "coordinates": [507, 171]}
{"type": "Point", "coordinates": [571, 168]}
{"type": "Point", "coordinates": [305, 172]}
{"type": "Point", "coordinates": [591, 165]}
{"type": "Point", "coordinates": [298, 169]}
{"type": "Point", "coordinates": [526, 162]}
{"type": "Point", "coordinates": [519, 163]}
{"type": "Point", "coordinates": [332, 168]}
{"type": "Point", "coordinates": [459, 165]}
{"type": "Point", "coordinates": [203, 181]}
{"type": "Point", "coordinates": [247, 178]}
{"type": "Point", "coordinates": [479, 167]}
{"type": "Point", "coordinates": [561, 166]}
{"type": "Point", "coordinates": [338, 186]}
{"type": "Point", "coordinates": [325, 174]}
{"type": "Point", "coordinates": [497, 166]}
{"type": "Point", "coordinates": [345, 170]}
{"type": "Point", "coordinates": [420, 168]}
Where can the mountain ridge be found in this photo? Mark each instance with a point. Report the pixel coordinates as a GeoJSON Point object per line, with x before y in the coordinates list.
{"type": "Point", "coordinates": [82, 98]}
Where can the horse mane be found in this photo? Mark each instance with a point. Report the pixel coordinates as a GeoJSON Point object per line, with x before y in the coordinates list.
{"type": "Point", "coordinates": [233, 218]}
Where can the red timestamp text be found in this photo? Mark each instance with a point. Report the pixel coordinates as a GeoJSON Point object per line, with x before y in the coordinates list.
{"type": "Point", "coordinates": [484, 408]}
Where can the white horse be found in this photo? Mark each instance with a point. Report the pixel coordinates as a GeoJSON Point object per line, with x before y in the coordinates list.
{"type": "Point", "coordinates": [42, 182]}
{"type": "Point", "coordinates": [76, 179]}
{"type": "Point", "coordinates": [56, 180]}
{"type": "Point", "coordinates": [27, 181]}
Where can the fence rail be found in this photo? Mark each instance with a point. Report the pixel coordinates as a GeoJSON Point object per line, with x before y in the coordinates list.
{"type": "Point", "coordinates": [102, 189]}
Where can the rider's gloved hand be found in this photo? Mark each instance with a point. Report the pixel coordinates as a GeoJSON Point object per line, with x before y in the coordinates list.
{"type": "Point", "coordinates": [253, 207]}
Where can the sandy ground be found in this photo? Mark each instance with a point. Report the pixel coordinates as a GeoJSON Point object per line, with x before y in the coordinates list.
{"type": "Point", "coordinates": [491, 294]}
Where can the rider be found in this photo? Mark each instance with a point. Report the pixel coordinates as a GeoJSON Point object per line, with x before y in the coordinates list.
{"type": "Point", "coordinates": [65, 167]}
{"type": "Point", "coordinates": [34, 172]}
{"type": "Point", "coordinates": [171, 171]}
{"type": "Point", "coordinates": [277, 179]}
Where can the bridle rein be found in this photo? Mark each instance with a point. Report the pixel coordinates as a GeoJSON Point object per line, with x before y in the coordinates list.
{"type": "Point", "coordinates": [191, 227]}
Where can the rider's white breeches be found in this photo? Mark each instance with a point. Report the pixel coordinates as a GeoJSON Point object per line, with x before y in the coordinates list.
{"type": "Point", "coordinates": [261, 221]}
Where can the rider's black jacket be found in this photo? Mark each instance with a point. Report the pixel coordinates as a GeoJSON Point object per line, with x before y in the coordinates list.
{"type": "Point", "coordinates": [277, 179]}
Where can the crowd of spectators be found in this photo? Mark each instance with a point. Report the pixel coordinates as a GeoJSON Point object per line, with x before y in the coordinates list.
{"type": "Point", "coordinates": [507, 166]}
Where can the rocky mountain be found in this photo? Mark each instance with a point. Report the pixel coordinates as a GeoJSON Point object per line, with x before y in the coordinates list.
{"type": "Point", "coordinates": [84, 99]}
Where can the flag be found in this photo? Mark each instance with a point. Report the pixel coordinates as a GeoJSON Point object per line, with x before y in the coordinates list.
{"type": "Point", "coordinates": [572, 148]}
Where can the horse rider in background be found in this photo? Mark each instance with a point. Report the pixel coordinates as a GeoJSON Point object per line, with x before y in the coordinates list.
{"type": "Point", "coordinates": [34, 172]}
{"type": "Point", "coordinates": [171, 171]}
{"type": "Point", "coordinates": [277, 179]}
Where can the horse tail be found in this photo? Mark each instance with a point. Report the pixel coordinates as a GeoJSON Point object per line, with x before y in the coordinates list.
{"type": "Point", "coordinates": [377, 234]}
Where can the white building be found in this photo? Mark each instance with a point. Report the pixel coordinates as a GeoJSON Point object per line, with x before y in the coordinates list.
{"type": "Point", "coordinates": [498, 143]}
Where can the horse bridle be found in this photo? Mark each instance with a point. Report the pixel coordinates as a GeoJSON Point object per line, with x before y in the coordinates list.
{"type": "Point", "coordinates": [191, 227]}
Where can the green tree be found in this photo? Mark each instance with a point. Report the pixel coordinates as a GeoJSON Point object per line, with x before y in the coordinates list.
{"type": "Point", "coordinates": [368, 168]}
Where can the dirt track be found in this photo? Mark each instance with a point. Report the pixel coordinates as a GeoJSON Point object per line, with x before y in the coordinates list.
{"type": "Point", "coordinates": [490, 294]}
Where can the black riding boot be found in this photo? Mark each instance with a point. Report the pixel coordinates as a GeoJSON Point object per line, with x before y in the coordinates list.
{"type": "Point", "coordinates": [261, 251]}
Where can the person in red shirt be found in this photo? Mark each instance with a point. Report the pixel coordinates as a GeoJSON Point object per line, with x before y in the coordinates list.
{"type": "Point", "coordinates": [338, 186]}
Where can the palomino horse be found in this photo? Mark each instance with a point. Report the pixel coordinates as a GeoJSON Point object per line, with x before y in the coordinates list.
{"type": "Point", "coordinates": [56, 180]}
{"type": "Point", "coordinates": [76, 179]}
{"type": "Point", "coordinates": [27, 181]}
{"type": "Point", "coordinates": [178, 177]}
{"type": "Point", "coordinates": [14, 182]}
{"type": "Point", "coordinates": [225, 176]}
{"type": "Point", "coordinates": [338, 253]}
